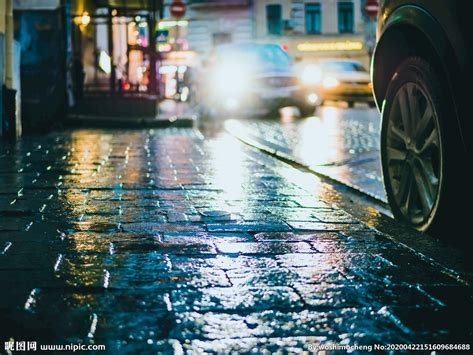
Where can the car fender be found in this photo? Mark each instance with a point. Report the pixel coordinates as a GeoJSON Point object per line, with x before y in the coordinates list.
{"type": "Point", "coordinates": [387, 57]}
{"type": "Point", "coordinates": [409, 26]}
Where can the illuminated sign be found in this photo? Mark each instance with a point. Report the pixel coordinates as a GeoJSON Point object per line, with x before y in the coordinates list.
{"type": "Point", "coordinates": [330, 46]}
{"type": "Point", "coordinates": [162, 36]}
{"type": "Point", "coordinates": [105, 62]}
{"type": "Point", "coordinates": [182, 55]}
{"type": "Point", "coordinates": [164, 24]}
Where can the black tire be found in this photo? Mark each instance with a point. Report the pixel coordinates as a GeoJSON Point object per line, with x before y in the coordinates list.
{"type": "Point", "coordinates": [416, 153]}
{"type": "Point", "coordinates": [351, 104]}
{"type": "Point", "coordinates": [270, 114]}
{"type": "Point", "coordinates": [306, 110]}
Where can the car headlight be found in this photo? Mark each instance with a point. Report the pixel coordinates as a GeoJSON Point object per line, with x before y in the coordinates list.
{"type": "Point", "coordinates": [312, 98]}
{"type": "Point", "coordinates": [230, 80]}
{"type": "Point", "coordinates": [330, 82]}
{"type": "Point", "coordinates": [311, 74]}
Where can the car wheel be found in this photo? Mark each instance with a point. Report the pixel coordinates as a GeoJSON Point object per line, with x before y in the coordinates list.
{"type": "Point", "coordinates": [351, 104]}
{"type": "Point", "coordinates": [414, 147]}
{"type": "Point", "coordinates": [306, 111]}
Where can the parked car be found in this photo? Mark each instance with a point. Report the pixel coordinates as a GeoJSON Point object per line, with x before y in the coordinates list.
{"type": "Point", "coordinates": [250, 79]}
{"type": "Point", "coordinates": [421, 72]}
{"type": "Point", "coordinates": [334, 79]}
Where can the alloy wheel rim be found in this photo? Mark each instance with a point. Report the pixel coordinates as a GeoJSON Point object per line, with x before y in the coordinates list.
{"type": "Point", "coordinates": [414, 154]}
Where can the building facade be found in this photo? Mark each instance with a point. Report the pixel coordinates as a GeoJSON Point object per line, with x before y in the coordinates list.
{"type": "Point", "coordinates": [312, 29]}
{"type": "Point", "coordinates": [215, 22]}
{"type": "Point", "coordinates": [308, 29]}
{"type": "Point", "coordinates": [123, 35]}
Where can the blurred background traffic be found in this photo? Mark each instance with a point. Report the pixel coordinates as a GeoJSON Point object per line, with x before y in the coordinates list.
{"type": "Point", "coordinates": [62, 56]}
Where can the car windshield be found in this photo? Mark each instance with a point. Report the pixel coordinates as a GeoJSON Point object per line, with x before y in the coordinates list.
{"type": "Point", "coordinates": [257, 54]}
{"type": "Point", "coordinates": [338, 66]}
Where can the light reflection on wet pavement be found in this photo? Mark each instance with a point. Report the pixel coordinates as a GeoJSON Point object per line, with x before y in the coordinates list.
{"type": "Point", "coordinates": [159, 241]}
{"type": "Point", "coordinates": [336, 142]}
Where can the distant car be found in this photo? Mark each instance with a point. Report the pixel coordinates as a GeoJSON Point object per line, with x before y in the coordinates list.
{"type": "Point", "coordinates": [333, 79]}
{"type": "Point", "coordinates": [422, 71]}
{"type": "Point", "coordinates": [250, 79]}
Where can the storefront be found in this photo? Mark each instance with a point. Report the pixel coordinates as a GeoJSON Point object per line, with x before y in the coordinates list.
{"type": "Point", "coordinates": [178, 63]}
{"type": "Point", "coordinates": [176, 74]}
{"type": "Point", "coordinates": [112, 46]}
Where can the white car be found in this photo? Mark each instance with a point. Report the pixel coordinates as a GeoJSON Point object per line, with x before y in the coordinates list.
{"type": "Point", "coordinates": [250, 79]}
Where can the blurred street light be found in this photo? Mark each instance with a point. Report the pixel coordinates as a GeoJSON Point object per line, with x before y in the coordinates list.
{"type": "Point", "coordinates": [85, 19]}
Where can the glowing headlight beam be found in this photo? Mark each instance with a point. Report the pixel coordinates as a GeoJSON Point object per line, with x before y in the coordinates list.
{"type": "Point", "coordinates": [330, 82]}
{"type": "Point", "coordinates": [311, 74]}
{"type": "Point", "coordinates": [230, 78]}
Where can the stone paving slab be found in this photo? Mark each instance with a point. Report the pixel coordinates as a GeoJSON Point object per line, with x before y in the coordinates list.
{"type": "Point", "coordinates": [160, 241]}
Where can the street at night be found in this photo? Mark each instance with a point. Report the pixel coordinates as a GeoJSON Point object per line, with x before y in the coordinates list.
{"type": "Point", "coordinates": [235, 177]}
{"type": "Point", "coordinates": [174, 240]}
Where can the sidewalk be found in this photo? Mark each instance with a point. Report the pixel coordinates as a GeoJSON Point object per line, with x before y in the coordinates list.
{"type": "Point", "coordinates": [166, 242]}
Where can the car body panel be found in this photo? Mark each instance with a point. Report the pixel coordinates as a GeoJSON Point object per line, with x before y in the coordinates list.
{"type": "Point", "coordinates": [353, 81]}
{"type": "Point", "coordinates": [437, 30]}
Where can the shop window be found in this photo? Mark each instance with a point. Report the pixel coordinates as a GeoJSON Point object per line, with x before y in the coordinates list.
{"type": "Point", "coordinates": [345, 17]}
{"type": "Point", "coordinates": [313, 18]}
{"type": "Point", "coordinates": [274, 19]}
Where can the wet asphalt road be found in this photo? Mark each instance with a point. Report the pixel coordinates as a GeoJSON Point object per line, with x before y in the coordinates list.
{"type": "Point", "coordinates": [166, 241]}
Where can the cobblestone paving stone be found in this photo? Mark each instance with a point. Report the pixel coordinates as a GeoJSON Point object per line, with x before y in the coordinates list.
{"type": "Point", "coordinates": [159, 241]}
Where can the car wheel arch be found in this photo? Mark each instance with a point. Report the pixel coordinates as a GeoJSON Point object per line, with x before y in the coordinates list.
{"type": "Point", "coordinates": [408, 39]}
{"type": "Point", "coordinates": [409, 31]}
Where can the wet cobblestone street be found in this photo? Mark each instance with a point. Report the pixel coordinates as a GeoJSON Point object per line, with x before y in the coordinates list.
{"type": "Point", "coordinates": [335, 142]}
{"type": "Point", "coordinates": [162, 241]}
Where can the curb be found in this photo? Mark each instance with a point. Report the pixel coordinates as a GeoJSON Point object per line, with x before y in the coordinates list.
{"type": "Point", "coordinates": [76, 120]}
{"type": "Point", "coordinates": [281, 153]}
